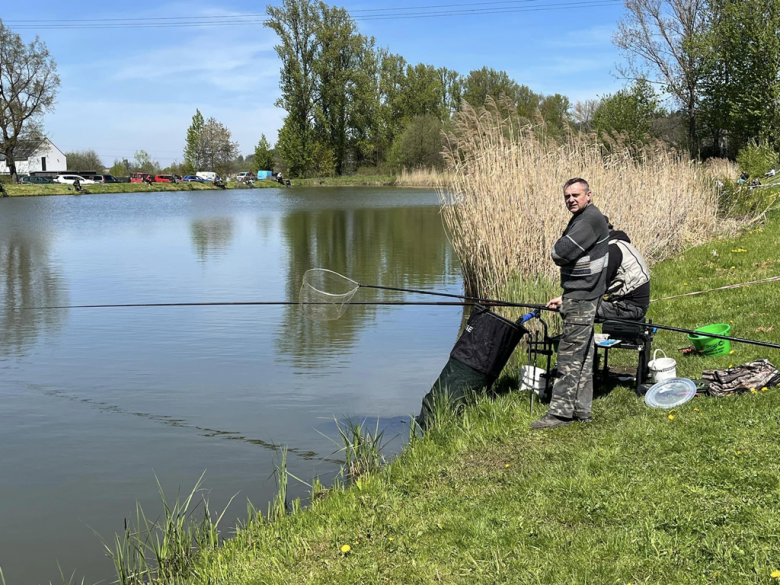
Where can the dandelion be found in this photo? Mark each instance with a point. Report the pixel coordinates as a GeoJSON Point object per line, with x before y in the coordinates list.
{"type": "Point", "coordinates": [695, 410]}
{"type": "Point", "coordinates": [732, 268]}
{"type": "Point", "coordinates": [739, 452]}
{"type": "Point", "coordinates": [507, 465]}
{"type": "Point", "coordinates": [753, 391]}
{"type": "Point", "coordinates": [764, 389]}
{"type": "Point", "coordinates": [345, 548]}
{"type": "Point", "coordinates": [389, 538]}
{"type": "Point", "coordinates": [775, 575]}
{"type": "Point", "coordinates": [732, 352]}
{"type": "Point", "coordinates": [671, 417]}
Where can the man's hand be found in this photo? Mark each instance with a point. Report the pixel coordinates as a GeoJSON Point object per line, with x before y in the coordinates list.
{"type": "Point", "coordinates": [555, 303]}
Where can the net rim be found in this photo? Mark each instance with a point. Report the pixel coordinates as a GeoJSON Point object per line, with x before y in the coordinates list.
{"type": "Point", "coordinates": [322, 292]}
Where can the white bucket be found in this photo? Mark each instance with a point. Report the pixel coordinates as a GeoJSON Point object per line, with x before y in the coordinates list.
{"type": "Point", "coordinates": [664, 368]}
{"type": "Point", "coordinates": [532, 378]}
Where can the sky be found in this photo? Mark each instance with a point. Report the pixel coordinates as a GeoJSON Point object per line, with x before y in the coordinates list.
{"type": "Point", "coordinates": [124, 89]}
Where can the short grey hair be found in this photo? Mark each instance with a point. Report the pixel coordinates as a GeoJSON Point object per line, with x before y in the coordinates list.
{"type": "Point", "coordinates": [571, 182]}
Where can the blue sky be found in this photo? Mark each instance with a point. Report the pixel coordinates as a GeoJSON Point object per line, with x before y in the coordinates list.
{"type": "Point", "coordinates": [129, 89]}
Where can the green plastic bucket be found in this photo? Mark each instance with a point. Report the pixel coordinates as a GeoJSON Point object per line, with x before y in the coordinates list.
{"type": "Point", "coordinates": [710, 346]}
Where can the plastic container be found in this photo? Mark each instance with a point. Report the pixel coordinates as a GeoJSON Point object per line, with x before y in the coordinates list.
{"type": "Point", "coordinates": [710, 346]}
{"type": "Point", "coordinates": [532, 378]}
{"type": "Point", "coordinates": [661, 369]}
{"type": "Point", "coordinates": [670, 393]}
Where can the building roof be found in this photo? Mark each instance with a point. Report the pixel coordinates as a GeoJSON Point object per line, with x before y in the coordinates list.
{"type": "Point", "coordinates": [24, 150]}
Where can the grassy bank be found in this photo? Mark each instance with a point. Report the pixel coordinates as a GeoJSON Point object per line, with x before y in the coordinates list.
{"type": "Point", "coordinates": [640, 496]}
{"type": "Point", "coordinates": [56, 189]}
{"type": "Point", "coordinates": [347, 181]}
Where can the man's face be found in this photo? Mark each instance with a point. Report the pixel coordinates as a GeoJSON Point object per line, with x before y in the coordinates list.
{"type": "Point", "coordinates": [577, 197]}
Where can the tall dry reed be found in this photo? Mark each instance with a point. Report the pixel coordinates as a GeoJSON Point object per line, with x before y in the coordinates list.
{"type": "Point", "coordinates": [504, 204]}
{"type": "Point", "coordinates": [422, 178]}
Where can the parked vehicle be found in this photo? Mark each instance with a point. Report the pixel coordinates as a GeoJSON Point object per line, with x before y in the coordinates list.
{"type": "Point", "coordinates": [208, 176]}
{"type": "Point", "coordinates": [165, 179]}
{"type": "Point", "coordinates": [34, 180]}
{"type": "Point", "coordinates": [104, 179]}
{"type": "Point", "coordinates": [193, 179]}
{"type": "Point", "coordinates": [241, 177]}
{"type": "Point", "coordinates": [141, 177]}
{"type": "Point", "coordinates": [70, 179]}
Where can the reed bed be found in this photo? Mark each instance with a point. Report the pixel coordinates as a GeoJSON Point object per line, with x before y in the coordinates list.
{"type": "Point", "coordinates": [422, 178]}
{"type": "Point", "coordinates": [503, 206]}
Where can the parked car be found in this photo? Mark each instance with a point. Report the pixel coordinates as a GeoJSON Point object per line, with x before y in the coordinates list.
{"type": "Point", "coordinates": [104, 179]}
{"type": "Point", "coordinates": [70, 179]}
{"type": "Point", "coordinates": [208, 176]}
{"type": "Point", "coordinates": [34, 180]}
{"type": "Point", "coordinates": [141, 177]}
{"type": "Point", "coordinates": [241, 177]}
{"type": "Point", "coordinates": [193, 178]}
{"type": "Point", "coordinates": [165, 179]}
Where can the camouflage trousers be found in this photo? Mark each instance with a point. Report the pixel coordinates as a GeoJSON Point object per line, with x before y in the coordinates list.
{"type": "Point", "coordinates": [573, 391]}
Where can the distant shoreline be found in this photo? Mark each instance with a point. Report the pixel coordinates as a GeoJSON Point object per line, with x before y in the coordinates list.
{"type": "Point", "coordinates": [403, 180]}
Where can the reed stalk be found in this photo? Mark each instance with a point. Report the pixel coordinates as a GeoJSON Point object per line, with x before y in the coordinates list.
{"type": "Point", "coordinates": [503, 207]}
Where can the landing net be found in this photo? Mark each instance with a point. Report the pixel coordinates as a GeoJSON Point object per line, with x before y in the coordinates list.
{"type": "Point", "coordinates": [325, 294]}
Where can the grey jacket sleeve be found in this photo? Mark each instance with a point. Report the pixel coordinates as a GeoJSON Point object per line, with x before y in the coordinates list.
{"type": "Point", "coordinates": [574, 244]}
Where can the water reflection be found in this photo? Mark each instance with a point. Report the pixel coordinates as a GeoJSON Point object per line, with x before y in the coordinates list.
{"type": "Point", "coordinates": [400, 247]}
{"type": "Point", "coordinates": [27, 279]}
{"type": "Point", "coordinates": [211, 236]}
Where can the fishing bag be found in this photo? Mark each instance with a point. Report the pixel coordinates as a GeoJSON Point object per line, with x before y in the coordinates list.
{"type": "Point", "coordinates": [476, 361]}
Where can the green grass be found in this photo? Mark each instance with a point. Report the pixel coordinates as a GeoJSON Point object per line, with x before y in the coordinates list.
{"type": "Point", "coordinates": [638, 496]}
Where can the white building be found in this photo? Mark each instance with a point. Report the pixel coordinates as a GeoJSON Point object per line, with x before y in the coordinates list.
{"type": "Point", "coordinates": [36, 157]}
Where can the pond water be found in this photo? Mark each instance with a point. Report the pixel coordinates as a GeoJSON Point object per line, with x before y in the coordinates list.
{"type": "Point", "coordinates": [96, 403]}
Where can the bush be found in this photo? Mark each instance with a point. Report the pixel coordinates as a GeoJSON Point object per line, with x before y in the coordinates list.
{"type": "Point", "coordinates": [740, 200]}
{"type": "Point", "coordinates": [757, 158]}
{"type": "Point", "coordinates": [419, 145]}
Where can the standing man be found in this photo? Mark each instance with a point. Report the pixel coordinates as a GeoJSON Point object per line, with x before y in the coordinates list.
{"type": "Point", "coordinates": [582, 254]}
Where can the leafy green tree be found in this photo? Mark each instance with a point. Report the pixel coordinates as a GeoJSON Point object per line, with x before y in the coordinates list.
{"type": "Point", "coordinates": [121, 168]}
{"type": "Point", "coordinates": [742, 95]}
{"type": "Point", "coordinates": [419, 145]}
{"type": "Point", "coordinates": [627, 113]}
{"type": "Point", "coordinates": [28, 89]}
{"type": "Point", "coordinates": [296, 23]}
{"type": "Point", "coordinates": [422, 92]}
{"type": "Point", "coordinates": [84, 160]}
{"type": "Point", "coordinates": [192, 154]}
{"type": "Point", "coordinates": [264, 156]}
{"type": "Point", "coordinates": [528, 102]}
{"type": "Point", "coordinates": [481, 83]}
{"type": "Point", "coordinates": [144, 163]}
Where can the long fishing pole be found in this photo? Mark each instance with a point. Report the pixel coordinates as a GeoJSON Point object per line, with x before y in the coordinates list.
{"type": "Point", "coordinates": [262, 303]}
{"type": "Point", "coordinates": [692, 332]}
{"type": "Point", "coordinates": [493, 302]}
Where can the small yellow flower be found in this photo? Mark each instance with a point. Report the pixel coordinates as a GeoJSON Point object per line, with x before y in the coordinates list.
{"type": "Point", "coordinates": [731, 365]}
{"type": "Point", "coordinates": [764, 389]}
{"type": "Point", "coordinates": [753, 391]}
{"type": "Point", "coordinates": [739, 452]}
{"type": "Point", "coordinates": [732, 352]}
{"type": "Point", "coordinates": [695, 410]}
{"type": "Point", "coordinates": [507, 465]}
{"type": "Point", "coordinates": [389, 538]}
{"type": "Point", "coordinates": [671, 417]}
{"type": "Point", "coordinates": [775, 575]}
{"type": "Point", "coordinates": [732, 268]}
{"type": "Point", "coordinates": [345, 548]}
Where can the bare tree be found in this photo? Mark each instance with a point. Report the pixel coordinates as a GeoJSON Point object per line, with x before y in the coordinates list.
{"type": "Point", "coordinates": [663, 43]}
{"type": "Point", "coordinates": [28, 88]}
{"type": "Point", "coordinates": [217, 149]}
{"type": "Point", "coordinates": [583, 112]}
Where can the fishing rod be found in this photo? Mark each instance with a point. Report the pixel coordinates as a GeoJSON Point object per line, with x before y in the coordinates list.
{"type": "Point", "coordinates": [482, 301]}
{"type": "Point", "coordinates": [262, 303]}
{"type": "Point", "coordinates": [692, 332]}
